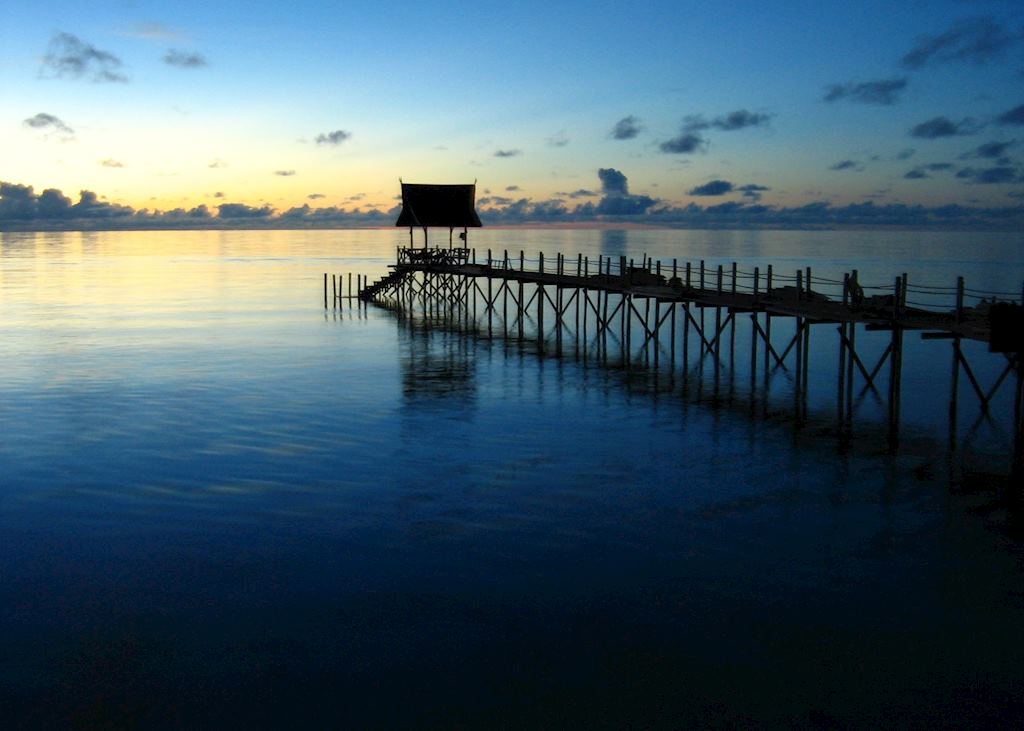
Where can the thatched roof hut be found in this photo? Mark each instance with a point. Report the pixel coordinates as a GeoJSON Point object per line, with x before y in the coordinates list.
{"type": "Point", "coordinates": [428, 205]}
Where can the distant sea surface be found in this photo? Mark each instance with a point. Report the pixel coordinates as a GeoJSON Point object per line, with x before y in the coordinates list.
{"type": "Point", "coordinates": [223, 506]}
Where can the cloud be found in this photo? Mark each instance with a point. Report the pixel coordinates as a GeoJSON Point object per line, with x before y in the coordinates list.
{"type": "Point", "coordinates": [284, 173]}
{"type": "Point", "coordinates": [884, 92]}
{"type": "Point", "coordinates": [19, 203]}
{"type": "Point", "coordinates": [613, 182]}
{"type": "Point", "coordinates": [690, 139]}
{"type": "Point", "coordinates": [714, 187]}
{"type": "Point", "coordinates": [978, 40]}
{"type": "Point", "coordinates": [559, 139]}
{"type": "Point", "coordinates": [752, 191]}
{"type": "Point", "coordinates": [48, 122]}
{"type": "Point", "coordinates": [219, 194]}
{"type": "Point", "coordinates": [905, 154]}
{"type": "Point", "coordinates": [938, 127]}
{"type": "Point", "coordinates": [695, 123]}
{"type": "Point", "coordinates": [624, 205]}
{"type": "Point", "coordinates": [90, 206]}
{"type": "Point", "coordinates": [155, 32]}
{"type": "Point", "coordinates": [315, 196]}
{"type": "Point", "coordinates": [684, 144]}
{"type": "Point", "coordinates": [741, 119]}
{"type": "Point", "coordinates": [626, 128]}
{"type": "Point", "coordinates": [217, 164]}
{"type": "Point", "coordinates": [550, 209]}
{"type": "Point", "coordinates": [988, 150]}
{"type": "Point", "coordinates": [581, 193]}
{"type": "Point", "coordinates": [511, 188]}
{"type": "Point", "coordinates": [919, 173]}
{"type": "Point", "coordinates": [1013, 116]}
{"type": "Point", "coordinates": [111, 163]}
{"type": "Point", "coordinates": [507, 153]}
{"type": "Point", "coordinates": [333, 138]}
{"type": "Point", "coordinates": [990, 176]}
{"type": "Point", "coordinates": [494, 200]}
{"type": "Point", "coordinates": [184, 60]}
{"type": "Point", "coordinates": [617, 200]}
{"type": "Point", "coordinates": [70, 57]}
{"type": "Point", "coordinates": [844, 165]}
{"type": "Point", "coordinates": [241, 210]}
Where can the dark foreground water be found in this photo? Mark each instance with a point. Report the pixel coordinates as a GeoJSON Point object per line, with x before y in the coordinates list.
{"type": "Point", "coordinates": [221, 508]}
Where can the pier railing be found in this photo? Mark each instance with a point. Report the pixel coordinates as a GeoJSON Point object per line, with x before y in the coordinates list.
{"type": "Point", "coordinates": [898, 296]}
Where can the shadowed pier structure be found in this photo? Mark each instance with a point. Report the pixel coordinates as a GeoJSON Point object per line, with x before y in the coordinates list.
{"type": "Point", "coordinates": [654, 314]}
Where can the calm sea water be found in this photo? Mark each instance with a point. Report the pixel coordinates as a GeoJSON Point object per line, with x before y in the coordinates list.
{"type": "Point", "coordinates": [222, 506]}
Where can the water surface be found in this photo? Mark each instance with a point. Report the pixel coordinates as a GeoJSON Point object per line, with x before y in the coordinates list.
{"type": "Point", "coordinates": [221, 505]}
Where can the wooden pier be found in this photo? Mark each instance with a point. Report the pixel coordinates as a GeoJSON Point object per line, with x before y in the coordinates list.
{"type": "Point", "coordinates": [652, 310]}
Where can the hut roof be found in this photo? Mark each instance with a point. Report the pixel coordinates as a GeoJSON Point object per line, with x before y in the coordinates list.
{"type": "Point", "coordinates": [450, 206]}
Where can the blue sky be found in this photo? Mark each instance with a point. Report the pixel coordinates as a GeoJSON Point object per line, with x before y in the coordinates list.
{"type": "Point", "coordinates": [328, 104]}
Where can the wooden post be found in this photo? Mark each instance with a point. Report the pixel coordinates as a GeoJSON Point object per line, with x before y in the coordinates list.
{"type": "Point", "coordinates": [895, 367]}
{"type": "Point", "coordinates": [504, 295]}
{"type": "Point", "coordinates": [718, 318]}
{"type": "Point", "coordinates": [325, 290]}
{"type": "Point", "coordinates": [703, 337]}
{"type": "Point", "coordinates": [559, 269]}
{"type": "Point", "coordinates": [586, 304]}
{"type": "Point", "coordinates": [767, 329]}
{"type": "Point", "coordinates": [519, 302]}
{"type": "Point", "coordinates": [841, 388]}
{"type": "Point", "coordinates": [579, 272]}
{"type": "Point", "coordinates": [672, 321]}
{"type": "Point", "coordinates": [540, 303]}
{"type": "Point", "coordinates": [798, 385]}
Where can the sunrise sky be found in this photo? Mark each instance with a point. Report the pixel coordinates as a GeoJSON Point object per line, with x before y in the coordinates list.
{"type": "Point", "coordinates": [327, 104]}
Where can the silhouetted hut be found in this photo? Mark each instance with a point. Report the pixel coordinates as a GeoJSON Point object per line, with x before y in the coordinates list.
{"type": "Point", "coordinates": [449, 206]}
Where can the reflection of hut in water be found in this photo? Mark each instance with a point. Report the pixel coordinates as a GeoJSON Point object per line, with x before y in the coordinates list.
{"type": "Point", "coordinates": [448, 206]}
{"type": "Point", "coordinates": [436, 365]}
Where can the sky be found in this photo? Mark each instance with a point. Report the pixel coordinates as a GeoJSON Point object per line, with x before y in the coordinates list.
{"type": "Point", "coordinates": [559, 111]}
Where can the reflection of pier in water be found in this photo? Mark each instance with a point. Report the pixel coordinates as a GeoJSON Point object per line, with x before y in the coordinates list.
{"type": "Point", "coordinates": [659, 316]}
